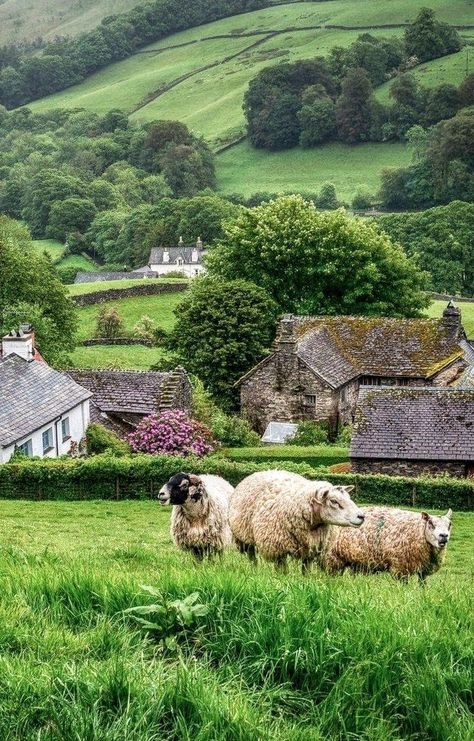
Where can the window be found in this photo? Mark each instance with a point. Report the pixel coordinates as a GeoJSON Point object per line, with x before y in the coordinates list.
{"type": "Point", "coordinates": [370, 381]}
{"type": "Point", "coordinates": [26, 448]}
{"type": "Point", "coordinates": [65, 429]}
{"type": "Point", "coordinates": [310, 399]}
{"type": "Point", "coordinates": [47, 440]}
{"type": "Point", "coordinates": [179, 261]}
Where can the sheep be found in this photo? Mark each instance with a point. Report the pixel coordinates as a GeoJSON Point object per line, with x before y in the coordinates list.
{"type": "Point", "coordinates": [200, 517]}
{"type": "Point", "coordinates": [280, 514]}
{"type": "Point", "coordinates": [401, 542]}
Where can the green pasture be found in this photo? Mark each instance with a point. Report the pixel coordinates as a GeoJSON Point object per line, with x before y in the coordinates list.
{"type": "Point", "coordinates": [243, 169]}
{"type": "Point", "coordinates": [117, 357]}
{"type": "Point", "coordinates": [52, 247]}
{"type": "Point", "coordinates": [467, 312]}
{"type": "Point", "coordinates": [79, 289]}
{"type": "Point", "coordinates": [274, 657]}
{"type": "Point", "coordinates": [313, 455]}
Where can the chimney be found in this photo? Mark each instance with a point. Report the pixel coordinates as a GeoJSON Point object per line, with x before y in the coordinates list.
{"type": "Point", "coordinates": [286, 349]}
{"type": "Point", "coordinates": [180, 242]}
{"type": "Point", "coordinates": [20, 341]}
{"type": "Point", "coordinates": [196, 253]}
{"type": "Point", "coordinates": [166, 255]}
{"type": "Point", "coordinates": [452, 320]}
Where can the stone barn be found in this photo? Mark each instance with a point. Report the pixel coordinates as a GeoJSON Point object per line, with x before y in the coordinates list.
{"type": "Point", "coordinates": [319, 363]}
{"type": "Point", "coordinates": [414, 432]}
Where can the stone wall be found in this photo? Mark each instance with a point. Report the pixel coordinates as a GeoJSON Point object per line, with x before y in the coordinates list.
{"type": "Point", "coordinates": [448, 375]}
{"type": "Point", "coordinates": [394, 467]}
{"type": "Point", "coordinates": [117, 341]}
{"type": "Point", "coordinates": [111, 294]}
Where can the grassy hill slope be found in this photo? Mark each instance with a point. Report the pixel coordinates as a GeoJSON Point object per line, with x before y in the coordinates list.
{"type": "Point", "coordinates": [27, 19]}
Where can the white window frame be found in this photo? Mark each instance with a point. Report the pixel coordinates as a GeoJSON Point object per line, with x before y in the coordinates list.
{"type": "Point", "coordinates": [65, 429]}
{"type": "Point", "coordinates": [50, 440]}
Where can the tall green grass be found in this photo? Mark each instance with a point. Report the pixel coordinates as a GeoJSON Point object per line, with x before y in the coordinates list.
{"type": "Point", "coordinates": [276, 657]}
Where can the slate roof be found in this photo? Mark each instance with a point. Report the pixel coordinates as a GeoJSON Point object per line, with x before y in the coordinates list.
{"type": "Point", "coordinates": [133, 392]}
{"type": "Point", "coordinates": [184, 251]}
{"type": "Point", "coordinates": [417, 423]}
{"type": "Point", "coordinates": [344, 347]}
{"type": "Point", "coordinates": [31, 395]}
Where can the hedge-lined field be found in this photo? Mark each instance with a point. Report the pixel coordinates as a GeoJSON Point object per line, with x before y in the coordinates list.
{"type": "Point", "coordinates": [274, 658]}
{"type": "Point", "coordinates": [313, 455]}
{"type": "Point", "coordinates": [141, 476]}
{"type": "Point", "coordinates": [80, 289]}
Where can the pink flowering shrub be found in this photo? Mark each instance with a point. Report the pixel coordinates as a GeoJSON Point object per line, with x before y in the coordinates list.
{"type": "Point", "coordinates": [171, 433]}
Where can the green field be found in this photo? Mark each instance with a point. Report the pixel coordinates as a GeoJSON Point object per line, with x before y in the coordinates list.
{"type": "Point", "coordinates": [52, 247]}
{"type": "Point", "coordinates": [23, 19]}
{"type": "Point", "coordinates": [242, 169]}
{"type": "Point", "coordinates": [313, 455]}
{"type": "Point", "coordinates": [156, 81]}
{"type": "Point", "coordinates": [119, 357]}
{"type": "Point", "coordinates": [81, 262]}
{"type": "Point", "coordinates": [467, 313]}
{"type": "Point", "coordinates": [79, 289]}
{"type": "Point", "coordinates": [275, 657]}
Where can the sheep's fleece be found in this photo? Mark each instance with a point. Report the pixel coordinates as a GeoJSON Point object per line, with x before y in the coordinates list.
{"type": "Point", "coordinates": [394, 540]}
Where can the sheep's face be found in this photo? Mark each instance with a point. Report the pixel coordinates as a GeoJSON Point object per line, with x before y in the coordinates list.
{"type": "Point", "coordinates": [336, 507]}
{"type": "Point", "coordinates": [181, 487]}
{"type": "Point", "coordinates": [437, 529]}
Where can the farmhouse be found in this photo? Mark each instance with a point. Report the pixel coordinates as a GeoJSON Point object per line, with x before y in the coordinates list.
{"type": "Point", "coordinates": [120, 399]}
{"type": "Point", "coordinates": [41, 411]}
{"type": "Point", "coordinates": [186, 259]}
{"type": "Point", "coordinates": [319, 363]}
{"type": "Point", "coordinates": [414, 431]}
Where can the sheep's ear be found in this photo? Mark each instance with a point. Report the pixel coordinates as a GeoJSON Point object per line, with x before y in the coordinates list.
{"type": "Point", "coordinates": [184, 485]}
{"type": "Point", "coordinates": [321, 495]}
{"type": "Point", "coordinates": [347, 489]}
{"type": "Point", "coordinates": [449, 514]}
{"type": "Point", "coordinates": [425, 516]}
{"type": "Point", "coordinates": [195, 480]}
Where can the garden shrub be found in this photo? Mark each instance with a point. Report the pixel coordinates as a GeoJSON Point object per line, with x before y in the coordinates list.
{"type": "Point", "coordinates": [109, 323]}
{"type": "Point", "coordinates": [310, 433]}
{"type": "Point", "coordinates": [171, 433]}
{"type": "Point", "coordinates": [233, 431]}
{"type": "Point", "coordinates": [101, 440]}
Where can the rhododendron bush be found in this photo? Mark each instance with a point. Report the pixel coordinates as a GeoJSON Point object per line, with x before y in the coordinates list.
{"type": "Point", "coordinates": [171, 433]}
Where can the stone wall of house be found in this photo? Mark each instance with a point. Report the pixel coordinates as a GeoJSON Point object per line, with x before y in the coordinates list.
{"type": "Point", "coordinates": [278, 391]}
{"type": "Point", "coordinates": [394, 467]}
{"type": "Point", "coordinates": [347, 401]}
{"type": "Point", "coordinates": [145, 289]}
{"type": "Point", "coordinates": [448, 375]}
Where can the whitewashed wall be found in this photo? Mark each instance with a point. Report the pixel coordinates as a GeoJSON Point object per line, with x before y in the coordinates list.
{"type": "Point", "coordinates": [79, 418]}
{"type": "Point", "coordinates": [189, 270]}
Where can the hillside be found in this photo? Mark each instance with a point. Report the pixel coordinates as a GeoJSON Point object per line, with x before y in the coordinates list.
{"type": "Point", "coordinates": [23, 19]}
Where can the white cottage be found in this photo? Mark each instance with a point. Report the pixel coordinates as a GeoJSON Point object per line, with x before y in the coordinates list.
{"type": "Point", "coordinates": [185, 259]}
{"type": "Point", "coordinates": [42, 411]}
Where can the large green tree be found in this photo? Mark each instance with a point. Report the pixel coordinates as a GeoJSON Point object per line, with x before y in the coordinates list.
{"type": "Point", "coordinates": [319, 263]}
{"type": "Point", "coordinates": [222, 329]}
{"type": "Point", "coordinates": [30, 291]}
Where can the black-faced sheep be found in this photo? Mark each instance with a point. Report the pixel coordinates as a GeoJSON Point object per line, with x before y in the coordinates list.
{"type": "Point", "coordinates": [394, 540]}
{"type": "Point", "coordinates": [200, 517]}
{"type": "Point", "coordinates": [280, 514]}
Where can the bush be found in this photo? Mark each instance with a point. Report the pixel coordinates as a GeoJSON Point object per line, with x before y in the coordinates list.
{"type": "Point", "coordinates": [171, 433]}
{"type": "Point", "coordinates": [310, 433]}
{"type": "Point", "coordinates": [145, 329]}
{"type": "Point", "coordinates": [109, 323]}
{"type": "Point", "coordinates": [67, 275]}
{"type": "Point", "coordinates": [233, 431]}
{"type": "Point", "coordinates": [101, 440]}
{"type": "Point", "coordinates": [344, 436]}
{"type": "Point", "coordinates": [362, 200]}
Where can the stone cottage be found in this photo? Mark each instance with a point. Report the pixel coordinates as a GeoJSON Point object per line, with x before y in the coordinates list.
{"type": "Point", "coordinates": [185, 259]}
{"type": "Point", "coordinates": [414, 431]}
{"type": "Point", "coordinates": [120, 399]}
{"type": "Point", "coordinates": [319, 363]}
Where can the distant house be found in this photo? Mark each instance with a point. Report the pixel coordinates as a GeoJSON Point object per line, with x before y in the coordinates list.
{"type": "Point", "coordinates": [120, 399]}
{"type": "Point", "coordinates": [42, 411]}
{"type": "Point", "coordinates": [414, 431]}
{"type": "Point", "coordinates": [186, 259]}
{"type": "Point", "coordinates": [319, 363]}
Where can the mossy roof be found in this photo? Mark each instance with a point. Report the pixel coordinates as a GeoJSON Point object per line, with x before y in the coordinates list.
{"type": "Point", "coordinates": [417, 423]}
{"type": "Point", "coordinates": [344, 347]}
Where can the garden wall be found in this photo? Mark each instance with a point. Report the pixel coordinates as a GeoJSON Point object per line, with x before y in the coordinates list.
{"type": "Point", "coordinates": [141, 477]}
{"type": "Point", "coordinates": [117, 341]}
{"type": "Point", "coordinates": [111, 294]}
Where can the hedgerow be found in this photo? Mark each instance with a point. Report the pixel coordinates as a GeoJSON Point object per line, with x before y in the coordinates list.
{"type": "Point", "coordinates": [141, 476]}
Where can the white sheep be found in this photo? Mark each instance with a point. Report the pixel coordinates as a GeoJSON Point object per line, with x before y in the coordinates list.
{"type": "Point", "coordinates": [280, 514]}
{"type": "Point", "coordinates": [401, 542]}
{"type": "Point", "coordinates": [200, 517]}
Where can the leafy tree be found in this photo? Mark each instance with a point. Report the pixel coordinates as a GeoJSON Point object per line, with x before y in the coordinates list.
{"type": "Point", "coordinates": [187, 170]}
{"type": "Point", "coordinates": [466, 90]}
{"type": "Point", "coordinates": [394, 191]}
{"type": "Point", "coordinates": [316, 117]}
{"type": "Point", "coordinates": [203, 216]}
{"type": "Point", "coordinates": [442, 239]}
{"type": "Point", "coordinates": [103, 234]}
{"type": "Point", "coordinates": [109, 323]}
{"type": "Point", "coordinates": [362, 200]}
{"type": "Point", "coordinates": [354, 107]}
{"type": "Point", "coordinates": [42, 191]}
{"type": "Point", "coordinates": [426, 38]}
{"type": "Point", "coordinates": [70, 215]}
{"type": "Point", "coordinates": [314, 262]}
{"type": "Point", "coordinates": [443, 102]}
{"type": "Point", "coordinates": [31, 291]}
{"type": "Point", "coordinates": [222, 329]}
{"type": "Point", "coordinates": [327, 198]}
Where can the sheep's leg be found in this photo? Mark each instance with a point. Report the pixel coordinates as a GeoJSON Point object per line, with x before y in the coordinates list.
{"type": "Point", "coordinates": [305, 565]}
{"type": "Point", "coordinates": [281, 565]}
{"type": "Point", "coordinates": [198, 553]}
{"type": "Point", "coordinates": [422, 579]}
{"type": "Point", "coordinates": [247, 548]}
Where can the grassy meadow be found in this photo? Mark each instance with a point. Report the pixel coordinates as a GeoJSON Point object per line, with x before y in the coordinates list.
{"type": "Point", "coordinates": [277, 657]}
{"type": "Point", "coordinates": [80, 289]}
{"type": "Point", "coordinates": [467, 312]}
{"type": "Point", "coordinates": [52, 247]}
{"type": "Point", "coordinates": [313, 455]}
{"type": "Point", "coordinates": [117, 357]}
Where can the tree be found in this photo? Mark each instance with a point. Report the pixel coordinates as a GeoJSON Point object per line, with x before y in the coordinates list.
{"type": "Point", "coordinates": [315, 262]}
{"type": "Point", "coordinates": [102, 235]}
{"type": "Point", "coordinates": [426, 38]}
{"type": "Point", "coordinates": [316, 117]}
{"type": "Point", "coordinates": [466, 90]}
{"type": "Point", "coordinates": [354, 107]}
{"type": "Point", "coordinates": [109, 323]}
{"type": "Point", "coordinates": [203, 216]}
{"type": "Point", "coordinates": [327, 198]}
{"type": "Point", "coordinates": [31, 291]}
{"type": "Point", "coordinates": [442, 102]}
{"type": "Point", "coordinates": [42, 191]}
{"type": "Point", "coordinates": [223, 328]}
{"type": "Point", "coordinates": [442, 238]}
{"type": "Point", "coordinates": [70, 215]}
{"type": "Point", "coordinates": [188, 169]}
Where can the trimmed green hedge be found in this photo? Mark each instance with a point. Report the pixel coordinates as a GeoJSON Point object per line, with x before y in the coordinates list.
{"type": "Point", "coordinates": [141, 476]}
{"type": "Point", "coordinates": [313, 455]}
